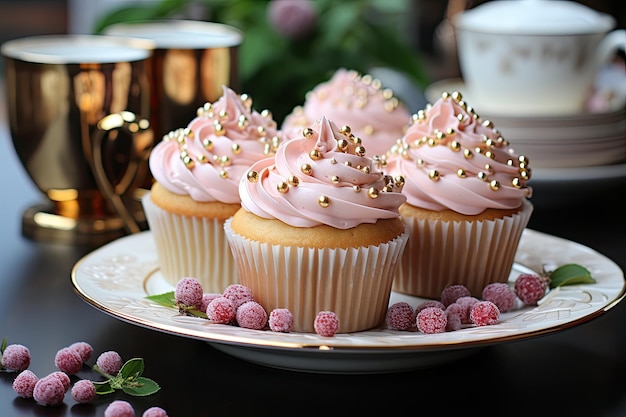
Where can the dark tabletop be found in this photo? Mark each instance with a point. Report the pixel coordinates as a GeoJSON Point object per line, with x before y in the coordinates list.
{"type": "Point", "coordinates": [580, 371]}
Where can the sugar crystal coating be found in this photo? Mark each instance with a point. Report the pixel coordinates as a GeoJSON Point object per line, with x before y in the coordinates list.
{"type": "Point", "coordinates": [452, 292]}
{"type": "Point", "coordinates": [49, 390]}
{"type": "Point", "coordinates": [238, 294]}
{"type": "Point", "coordinates": [467, 303]}
{"type": "Point", "coordinates": [485, 313]}
{"type": "Point", "coordinates": [119, 408]}
{"type": "Point", "coordinates": [221, 310]}
{"type": "Point", "coordinates": [432, 320]}
{"type": "Point", "coordinates": [529, 288]}
{"type": "Point", "coordinates": [251, 315]}
{"type": "Point", "coordinates": [84, 391]}
{"type": "Point", "coordinates": [281, 320]}
{"type": "Point", "coordinates": [206, 299]}
{"type": "Point", "coordinates": [154, 412]}
{"type": "Point", "coordinates": [429, 303]}
{"type": "Point", "coordinates": [24, 383]}
{"type": "Point", "coordinates": [326, 323]}
{"type": "Point", "coordinates": [500, 294]}
{"type": "Point", "coordinates": [63, 377]}
{"type": "Point", "coordinates": [453, 320]}
{"type": "Point", "coordinates": [68, 360]}
{"type": "Point", "coordinates": [15, 357]}
{"type": "Point", "coordinates": [400, 316]}
{"type": "Point", "coordinates": [84, 349]}
{"type": "Point", "coordinates": [109, 362]}
{"type": "Point", "coordinates": [188, 292]}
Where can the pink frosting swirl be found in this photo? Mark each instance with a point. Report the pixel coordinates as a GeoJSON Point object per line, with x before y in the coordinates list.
{"type": "Point", "coordinates": [452, 159]}
{"type": "Point", "coordinates": [322, 177]}
{"type": "Point", "coordinates": [373, 113]}
{"type": "Point", "coordinates": [207, 159]}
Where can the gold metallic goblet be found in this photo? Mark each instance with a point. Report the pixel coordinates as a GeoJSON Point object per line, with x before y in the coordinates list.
{"type": "Point", "coordinates": [79, 108]}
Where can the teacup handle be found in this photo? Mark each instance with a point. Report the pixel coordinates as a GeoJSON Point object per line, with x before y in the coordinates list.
{"type": "Point", "coordinates": [609, 45]}
{"type": "Point", "coordinates": [142, 143]}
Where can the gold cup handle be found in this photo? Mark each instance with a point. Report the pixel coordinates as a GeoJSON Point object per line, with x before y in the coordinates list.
{"type": "Point", "coordinates": [142, 143]}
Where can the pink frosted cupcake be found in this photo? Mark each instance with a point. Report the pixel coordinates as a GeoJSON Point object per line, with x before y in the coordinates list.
{"type": "Point", "coordinates": [197, 172]}
{"type": "Point", "coordinates": [467, 200]}
{"type": "Point", "coordinates": [373, 113]}
{"type": "Point", "coordinates": [319, 230]}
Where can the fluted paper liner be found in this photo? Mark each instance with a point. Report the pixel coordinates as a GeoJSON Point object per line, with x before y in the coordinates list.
{"type": "Point", "coordinates": [189, 246]}
{"type": "Point", "coordinates": [354, 283]}
{"type": "Point", "coordinates": [472, 253]}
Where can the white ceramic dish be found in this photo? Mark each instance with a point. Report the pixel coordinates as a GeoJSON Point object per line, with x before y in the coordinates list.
{"type": "Point", "coordinates": [117, 277]}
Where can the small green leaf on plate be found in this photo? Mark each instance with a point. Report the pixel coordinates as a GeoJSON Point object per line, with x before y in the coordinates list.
{"type": "Point", "coordinates": [166, 299]}
{"type": "Point", "coordinates": [570, 274]}
{"type": "Point", "coordinates": [140, 386]}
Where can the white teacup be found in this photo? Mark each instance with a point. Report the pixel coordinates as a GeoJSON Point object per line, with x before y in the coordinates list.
{"type": "Point", "coordinates": [533, 57]}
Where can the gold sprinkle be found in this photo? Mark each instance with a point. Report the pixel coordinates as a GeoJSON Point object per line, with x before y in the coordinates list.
{"type": "Point", "coordinates": [307, 132]}
{"type": "Point", "coordinates": [368, 129]}
{"type": "Point", "coordinates": [222, 114]}
{"type": "Point", "coordinates": [242, 121]}
{"type": "Point", "coordinates": [187, 160]}
{"type": "Point", "coordinates": [225, 160]}
{"type": "Point", "coordinates": [315, 155]}
{"type": "Point", "coordinates": [455, 146]}
{"type": "Point", "coordinates": [517, 183]}
{"type": "Point", "coordinates": [323, 201]}
{"type": "Point", "coordinates": [494, 185]}
{"type": "Point", "coordinates": [366, 169]}
{"type": "Point", "coordinates": [207, 144]}
{"type": "Point", "coordinates": [348, 163]}
{"type": "Point", "coordinates": [219, 128]}
{"type": "Point", "coordinates": [246, 100]}
{"type": "Point", "coordinates": [342, 144]}
{"type": "Point", "coordinates": [488, 124]}
{"type": "Point", "coordinates": [282, 187]}
{"type": "Point", "coordinates": [359, 150]}
{"type": "Point", "coordinates": [334, 179]}
{"type": "Point", "coordinates": [223, 174]}
{"type": "Point", "coordinates": [306, 169]}
{"type": "Point", "coordinates": [434, 175]}
{"type": "Point", "coordinates": [261, 131]}
{"type": "Point", "coordinates": [373, 192]}
{"type": "Point", "coordinates": [236, 148]}
{"type": "Point", "coordinates": [293, 180]}
{"type": "Point", "coordinates": [252, 176]}
{"type": "Point", "coordinates": [356, 188]}
{"type": "Point", "coordinates": [457, 96]}
{"type": "Point", "coordinates": [461, 173]}
{"type": "Point", "coordinates": [333, 161]}
{"type": "Point", "coordinates": [202, 158]}
{"type": "Point", "coordinates": [482, 176]}
{"type": "Point", "coordinates": [266, 114]}
{"type": "Point", "coordinates": [346, 131]}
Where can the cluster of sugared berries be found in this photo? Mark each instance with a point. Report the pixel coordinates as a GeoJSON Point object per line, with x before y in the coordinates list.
{"type": "Point", "coordinates": [457, 307]}
{"type": "Point", "coordinates": [236, 306]}
{"type": "Point", "coordinates": [50, 390]}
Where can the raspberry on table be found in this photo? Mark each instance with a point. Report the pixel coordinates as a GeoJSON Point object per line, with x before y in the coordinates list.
{"type": "Point", "coordinates": [68, 360]}
{"type": "Point", "coordinates": [24, 383]}
{"type": "Point", "coordinates": [206, 299]}
{"type": "Point", "coordinates": [500, 294]}
{"type": "Point", "coordinates": [485, 313]}
{"type": "Point", "coordinates": [238, 294]}
{"type": "Point", "coordinates": [119, 408]}
{"type": "Point", "coordinates": [530, 288]}
{"type": "Point", "coordinates": [154, 412]}
{"type": "Point", "coordinates": [400, 316]}
{"type": "Point", "coordinates": [281, 320]}
{"type": "Point", "coordinates": [109, 362]}
{"type": "Point", "coordinates": [84, 391]}
{"type": "Point", "coordinates": [452, 292]}
{"type": "Point", "coordinates": [84, 349]}
{"type": "Point", "coordinates": [221, 310]}
{"type": "Point", "coordinates": [326, 323]}
{"type": "Point", "coordinates": [62, 376]}
{"type": "Point", "coordinates": [432, 320]}
{"type": "Point", "coordinates": [467, 303]}
{"type": "Point", "coordinates": [188, 292]}
{"type": "Point", "coordinates": [15, 357]}
{"type": "Point", "coordinates": [251, 315]}
{"type": "Point", "coordinates": [49, 390]}
{"type": "Point", "coordinates": [429, 303]}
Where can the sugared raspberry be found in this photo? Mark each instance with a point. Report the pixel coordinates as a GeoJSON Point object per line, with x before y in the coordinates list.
{"type": "Point", "coordinates": [429, 303]}
{"type": "Point", "coordinates": [62, 376]}
{"type": "Point", "coordinates": [84, 349]}
{"type": "Point", "coordinates": [500, 294]}
{"type": "Point", "coordinates": [432, 320]}
{"type": "Point", "coordinates": [109, 362]}
{"type": "Point", "coordinates": [154, 412]}
{"type": "Point", "coordinates": [238, 294]}
{"type": "Point", "coordinates": [451, 293]}
{"type": "Point", "coordinates": [24, 383]}
{"type": "Point", "coordinates": [485, 313]}
{"type": "Point", "coordinates": [84, 391]}
{"type": "Point", "coordinates": [530, 288]}
{"type": "Point", "coordinates": [206, 299]}
{"type": "Point", "coordinates": [281, 320]}
{"type": "Point", "coordinates": [15, 358]}
{"type": "Point", "coordinates": [188, 292]}
{"type": "Point", "coordinates": [467, 303]}
{"type": "Point", "coordinates": [400, 316]}
{"type": "Point", "coordinates": [458, 310]}
{"type": "Point", "coordinates": [221, 310]}
{"type": "Point", "coordinates": [49, 390]}
{"type": "Point", "coordinates": [326, 323]}
{"type": "Point", "coordinates": [68, 360]}
{"type": "Point", "coordinates": [251, 315]}
{"type": "Point", "coordinates": [454, 320]}
{"type": "Point", "coordinates": [119, 408]}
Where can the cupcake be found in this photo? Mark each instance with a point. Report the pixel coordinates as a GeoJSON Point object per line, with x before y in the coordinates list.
{"type": "Point", "coordinates": [467, 200]}
{"type": "Point", "coordinates": [373, 113]}
{"type": "Point", "coordinates": [196, 173]}
{"type": "Point", "coordinates": [319, 230]}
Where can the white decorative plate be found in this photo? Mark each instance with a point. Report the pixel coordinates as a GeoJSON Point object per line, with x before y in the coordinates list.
{"type": "Point", "coordinates": [117, 277]}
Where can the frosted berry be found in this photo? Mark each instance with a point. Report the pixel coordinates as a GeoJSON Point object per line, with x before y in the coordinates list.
{"type": "Point", "coordinates": [500, 294]}
{"type": "Point", "coordinates": [68, 360]}
{"type": "Point", "coordinates": [432, 320]}
{"type": "Point", "coordinates": [238, 294]}
{"type": "Point", "coordinates": [251, 315]}
{"type": "Point", "coordinates": [49, 390]}
{"type": "Point", "coordinates": [467, 303]}
{"type": "Point", "coordinates": [429, 303]}
{"type": "Point", "coordinates": [485, 313]}
{"type": "Point", "coordinates": [24, 383]}
{"type": "Point", "coordinates": [119, 408]}
{"type": "Point", "coordinates": [84, 391]}
{"type": "Point", "coordinates": [206, 299]}
{"type": "Point", "coordinates": [221, 310]}
{"type": "Point", "coordinates": [62, 376]}
{"type": "Point", "coordinates": [15, 358]}
{"type": "Point", "coordinates": [109, 362]}
{"type": "Point", "coordinates": [459, 311]}
{"type": "Point", "coordinates": [154, 412]}
{"type": "Point", "coordinates": [188, 292]}
{"type": "Point", "coordinates": [400, 316]}
{"type": "Point", "coordinates": [451, 293]}
{"type": "Point", "coordinates": [454, 320]}
{"type": "Point", "coordinates": [84, 349]}
{"type": "Point", "coordinates": [281, 320]}
{"type": "Point", "coordinates": [326, 323]}
{"type": "Point", "coordinates": [530, 288]}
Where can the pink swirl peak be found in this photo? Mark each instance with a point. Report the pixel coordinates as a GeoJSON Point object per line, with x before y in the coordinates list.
{"type": "Point", "coordinates": [321, 177]}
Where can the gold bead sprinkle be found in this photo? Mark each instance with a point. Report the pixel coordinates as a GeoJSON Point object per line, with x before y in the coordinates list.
{"type": "Point", "coordinates": [359, 150]}
{"type": "Point", "coordinates": [252, 176]}
{"type": "Point", "coordinates": [494, 185]}
{"type": "Point", "coordinates": [293, 180]}
{"type": "Point", "coordinates": [187, 160]}
{"type": "Point", "coordinates": [434, 175]}
{"type": "Point", "coordinates": [224, 174]}
{"type": "Point", "coordinates": [306, 169]}
{"type": "Point", "coordinates": [315, 155]}
{"type": "Point", "coordinates": [517, 183]}
{"type": "Point", "coordinates": [323, 201]}
{"type": "Point", "coordinates": [207, 144]}
{"type": "Point", "coordinates": [236, 148]}
{"type": "Point", "coordinates": [356, 188]}
{"type": "Point", "coordinates": [307, 132]}
{"type": "Point", "coordinates": [282, 187]}
{"type": "Point", "coordinates": [482, 176]}
{"type": "Point", "coordinates": [373, 192]}
{"type": "Point", "coordinates": [334, 179]}
{"type": "Point", "coordinates": [461, 173]}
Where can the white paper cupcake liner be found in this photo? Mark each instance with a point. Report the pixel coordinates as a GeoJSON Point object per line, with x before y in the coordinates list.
{"type": "Point", "coordinates": [354, 283]}
{"type": "Point", "coordinates": [471, 253]}
{"type": "Point", "coordinates": [189, 246]}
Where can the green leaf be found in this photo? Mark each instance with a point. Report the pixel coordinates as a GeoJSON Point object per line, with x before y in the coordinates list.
{"type": "Point", "coordinates": [166, 299]}
{"type": "Point", "coordinates": [570, 274]}
{"type": "Point", "coordinates": [103, 388]}
{"type": "Point", "coordinates": [133, 368]}
{"type": "Point", "coordinates": [140, 387]}
{"type": "Point", "coordinates": [4, 345]}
